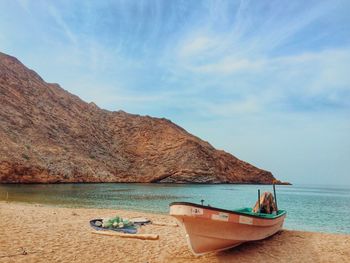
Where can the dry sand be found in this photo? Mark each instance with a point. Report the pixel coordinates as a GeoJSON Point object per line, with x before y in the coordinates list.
{"type": "Point", "coordinates": [37, 233]}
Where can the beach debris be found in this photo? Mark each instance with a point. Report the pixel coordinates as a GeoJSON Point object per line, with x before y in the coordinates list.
{"type": "Point", "coordinates": [24, 252]}
{"type": "Point", "coordinates": [123, 235]}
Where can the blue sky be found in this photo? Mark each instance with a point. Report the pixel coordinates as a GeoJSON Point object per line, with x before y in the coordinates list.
{"type": "Point", "coordinates": [268, 81]}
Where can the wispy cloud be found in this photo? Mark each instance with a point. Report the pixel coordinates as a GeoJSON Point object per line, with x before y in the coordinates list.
{"type": "Point", "coordinates": [61, 23]}
{"type": "Point", "coordinates": [198, 45]}
{"type": "Point", "coordinates": [315, 80]}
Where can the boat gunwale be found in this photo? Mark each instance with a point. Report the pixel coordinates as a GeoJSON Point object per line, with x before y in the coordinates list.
{"type": "Point", "coordinates": [283, 213]}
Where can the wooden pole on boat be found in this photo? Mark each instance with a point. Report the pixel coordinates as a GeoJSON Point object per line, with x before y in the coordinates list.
{"type": "Point", "coordinates": [274, 193]}
{"type": "Point", "coordinates": [259, 199]}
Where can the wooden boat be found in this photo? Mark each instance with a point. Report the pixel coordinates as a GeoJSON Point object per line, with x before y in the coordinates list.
{"type": "Point", "coordinates": [212, 229]}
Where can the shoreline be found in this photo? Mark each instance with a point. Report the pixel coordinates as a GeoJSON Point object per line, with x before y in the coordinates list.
{"type": "Point", "coordinates": [49, 205]}
{"type": "Point", "coordinates": [48, 233]}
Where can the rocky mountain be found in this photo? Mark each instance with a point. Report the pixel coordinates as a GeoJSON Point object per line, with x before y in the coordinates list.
{"type": "Point", "coordinates": [49, 135]}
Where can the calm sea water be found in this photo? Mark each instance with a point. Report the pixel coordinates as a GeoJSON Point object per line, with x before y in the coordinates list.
{"type": "Point", "coordinates": [311, 208]}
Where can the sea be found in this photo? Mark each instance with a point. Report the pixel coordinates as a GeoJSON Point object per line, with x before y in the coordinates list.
{"type": "Point", "coordinates": [309, 207]}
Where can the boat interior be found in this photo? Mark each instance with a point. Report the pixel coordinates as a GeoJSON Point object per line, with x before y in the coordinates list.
{"type": "Point", "coordinates": [249, 211]}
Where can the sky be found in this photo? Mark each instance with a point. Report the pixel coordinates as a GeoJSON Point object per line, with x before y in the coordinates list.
{"type": "Point", "coordinates": [268, 81]}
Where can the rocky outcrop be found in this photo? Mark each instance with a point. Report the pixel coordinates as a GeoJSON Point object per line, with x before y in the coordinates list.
{"type": "Point", "coordinates": [49, 135]}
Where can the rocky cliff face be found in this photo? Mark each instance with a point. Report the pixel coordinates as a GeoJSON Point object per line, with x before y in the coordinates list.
{"type": "Point", "coordinates": [49, 135]}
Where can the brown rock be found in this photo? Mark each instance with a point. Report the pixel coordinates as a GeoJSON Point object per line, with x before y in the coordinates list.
{"type": "Point", "coordinates": [49, 135]}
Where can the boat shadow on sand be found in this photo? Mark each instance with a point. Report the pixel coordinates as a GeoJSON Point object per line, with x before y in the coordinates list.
{"type": "Point", "coordinates": [284, 246]}
{"type": "Point", "coordinates": [260, 246]}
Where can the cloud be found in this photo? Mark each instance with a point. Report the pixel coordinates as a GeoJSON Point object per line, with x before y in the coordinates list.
{"type": "Point", "coordinates": [60, 22]}
{"type": "Point", "coordinates": [307, 81]}
{"type": "Point", "coordinates": [250, 105]}
{"type": "Point", "coordinates": [197, 46]}
{"type": "Point", "coordinates": [229, 66]}
{"type": "Point", "coordinates": [226, 58]}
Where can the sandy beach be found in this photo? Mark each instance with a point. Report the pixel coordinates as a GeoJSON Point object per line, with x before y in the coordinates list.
{"type": "Point", "coordinates": [38, 233]}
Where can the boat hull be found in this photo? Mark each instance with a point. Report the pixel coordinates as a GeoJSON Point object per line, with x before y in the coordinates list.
{"type": "Point", "coordinates": [210, 229]}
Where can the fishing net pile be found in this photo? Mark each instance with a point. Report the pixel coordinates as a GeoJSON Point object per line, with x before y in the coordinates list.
{"type": "Point", "coordinates": [116, 223]}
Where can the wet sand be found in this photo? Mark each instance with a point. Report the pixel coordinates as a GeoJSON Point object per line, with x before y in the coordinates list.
{"type": "Point", "coordinates": [37, 233]}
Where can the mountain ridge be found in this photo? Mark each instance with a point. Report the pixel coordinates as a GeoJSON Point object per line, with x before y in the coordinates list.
{"type": "Point", "coordinates": [52, 136]}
